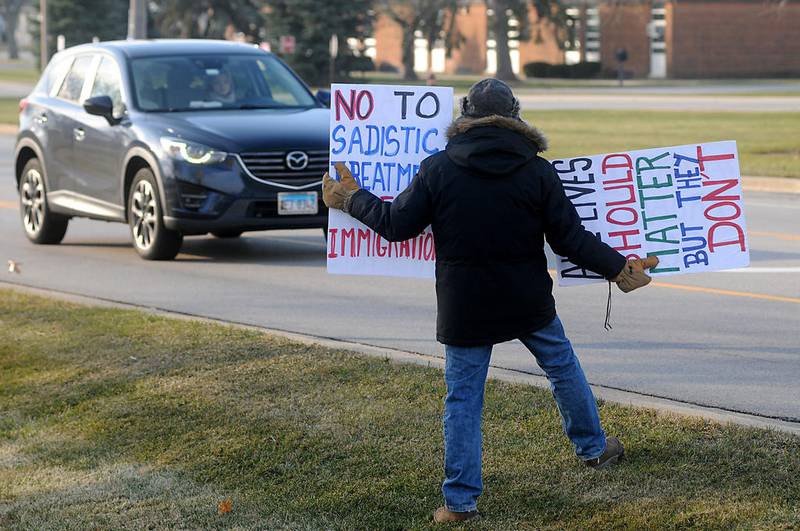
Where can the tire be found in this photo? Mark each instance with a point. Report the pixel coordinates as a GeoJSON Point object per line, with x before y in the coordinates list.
{"type": "Point", "coordinates": [41, 225]}
{"type": "Point", "coordinates": [151, 239]}
{"type": "Point", "coordinates": [227, 233]}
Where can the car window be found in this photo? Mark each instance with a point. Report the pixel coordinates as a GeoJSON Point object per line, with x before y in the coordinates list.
{"type": "Point", "coordinates": [107, 82]}
{"type": "Point", "coordinates": [54, 73]}
{"type": "Point", "coordinates": [73, 83]}
{"type": "Point", "coordinates": [282, 84]}
{"type": "Point", "coordinates": [195, 82]}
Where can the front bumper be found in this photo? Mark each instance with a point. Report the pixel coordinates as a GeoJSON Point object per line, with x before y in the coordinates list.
{"type": "Point", "coordinates": [224, 197]}
{"type": "Point", "coordinates": [247, 215]}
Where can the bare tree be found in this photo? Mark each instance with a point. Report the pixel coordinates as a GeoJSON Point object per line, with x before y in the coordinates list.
{"type": "Point", "coordinates": [500, 27]}
{"type": "Point", "coordinates": [434, 18]}
{"type": "Point", "coordinates": [10, 10]}
{"type": "Point", "coordinates": [503, 10]}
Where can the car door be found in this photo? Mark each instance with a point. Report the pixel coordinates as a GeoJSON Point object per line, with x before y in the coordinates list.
{"type": "Point", "coordinates": [99, 146]}
{"type": "Point", "coordinates": [59, 121]}
{"type": "Point", "coordinates": [42, 114]}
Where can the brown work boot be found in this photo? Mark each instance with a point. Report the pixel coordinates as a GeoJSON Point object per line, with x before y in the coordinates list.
{"type": "Point", "coordinates": [444, 515]}
{"type": "Point", "coordinates": [613, 453]}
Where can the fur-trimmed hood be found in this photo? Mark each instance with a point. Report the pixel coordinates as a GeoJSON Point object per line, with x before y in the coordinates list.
{"type": "Point", "coordinates": [493, 146]}
{"type": "Point", "coordinates": [464, 124]}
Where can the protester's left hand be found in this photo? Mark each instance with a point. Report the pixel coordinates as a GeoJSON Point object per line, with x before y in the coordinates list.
{"type": "Point", "coordinates": [633, 276]}
{"type": "Point", "coordinates": [336, 194]}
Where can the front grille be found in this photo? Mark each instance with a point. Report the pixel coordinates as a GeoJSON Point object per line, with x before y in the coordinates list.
{"type": "Point", "coordinates": [271, 166]}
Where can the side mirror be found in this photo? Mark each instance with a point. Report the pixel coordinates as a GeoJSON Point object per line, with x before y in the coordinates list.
{"type": "Point", "coordinates": [324, 97]}
{"type": "Point", "coordinates": [101, 106]}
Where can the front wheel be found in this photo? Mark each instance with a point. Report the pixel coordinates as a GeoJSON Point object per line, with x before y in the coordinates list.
{"type": "Point", "coordinates": [151, 239]}
{"type": "Point", "coordinates": [41, 225]}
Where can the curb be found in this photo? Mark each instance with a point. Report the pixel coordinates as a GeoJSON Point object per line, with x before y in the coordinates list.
{"type": "Point", "coordinates": [779, 185]}
{"type": "Point", "coordinates": [662, 406]}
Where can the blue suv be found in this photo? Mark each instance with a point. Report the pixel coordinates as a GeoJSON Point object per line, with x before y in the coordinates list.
{"type": "Point", "coordinates": [173, 138]}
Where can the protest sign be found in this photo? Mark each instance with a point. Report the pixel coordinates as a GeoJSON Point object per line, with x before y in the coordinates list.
{"type": "Point", "coordinates": [682, 204]}
{"type": "Point", "coordinates": [382, 133]}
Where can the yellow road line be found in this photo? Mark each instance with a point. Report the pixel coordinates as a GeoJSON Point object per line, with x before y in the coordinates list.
{"type": "Point", "coordinates": [8, 204]}
{"type": "Point", "coordinates": [731, 293]}
{"type": "Point", "coordinates": [777, 235]}
{"type": "Point", "coordinates": [715, 291]}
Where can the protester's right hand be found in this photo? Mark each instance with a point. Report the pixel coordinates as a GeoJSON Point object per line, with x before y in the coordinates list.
{"type": "Point", "coordinates": [335, 193]}
{"type": "Point", "coordinates": [633, 276]}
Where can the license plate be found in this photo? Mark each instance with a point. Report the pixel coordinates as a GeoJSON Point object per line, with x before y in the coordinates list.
{"type": "Point", "coordinates": [297, 203]}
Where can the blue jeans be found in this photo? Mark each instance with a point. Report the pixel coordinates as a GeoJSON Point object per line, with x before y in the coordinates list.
{"type": "Point", "coordinates": [465, 376]}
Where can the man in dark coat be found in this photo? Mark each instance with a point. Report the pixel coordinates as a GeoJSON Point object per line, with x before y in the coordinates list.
{"type": "Point", "coordinates": [491, 201]}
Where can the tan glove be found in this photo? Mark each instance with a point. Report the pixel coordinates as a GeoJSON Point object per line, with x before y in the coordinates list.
{"type": "Point", "coordinates": [337, 194]}
{"type": "Point", "coordinates": [633, 276]}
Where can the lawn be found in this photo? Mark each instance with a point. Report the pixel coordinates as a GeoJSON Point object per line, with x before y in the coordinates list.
{"type": "Point", "coordinates": [116, 418]}
{"type": "Point", "coordinates": [19, 74]}
{"type": "Point", "coordinates": [9, 111]}
{"type": "Point", "coordinates": [769, 143]}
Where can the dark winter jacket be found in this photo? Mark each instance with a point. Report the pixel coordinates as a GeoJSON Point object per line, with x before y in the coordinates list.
{"type": "Point", "coordinates": [490, 200]}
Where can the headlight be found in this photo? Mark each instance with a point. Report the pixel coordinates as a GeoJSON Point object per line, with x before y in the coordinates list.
{"type": "Point", "coordinates": [192, 152]}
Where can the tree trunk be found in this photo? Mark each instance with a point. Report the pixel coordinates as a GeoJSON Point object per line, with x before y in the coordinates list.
{"type": "Point", "coordinates": [12, 15]}
{"type": "Point", "coordinates": [408, 53]}
{"type": "Point", "coordinates": [187, 26]}
{"type": "Point", "coordinates": [500, 28]}
{"type": "Point", "coordinates": [430, 57]}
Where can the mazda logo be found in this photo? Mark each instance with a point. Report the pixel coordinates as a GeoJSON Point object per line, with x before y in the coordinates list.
{"type": "Point", "coordinates": [296, 160]}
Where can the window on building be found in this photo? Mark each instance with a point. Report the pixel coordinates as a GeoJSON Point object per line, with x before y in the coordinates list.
{"type": "Point", "coordinates": [572, 36]}
{"type": "Point", "coordinates": [592, 44]}
{"type": "Point", "coordinates": [657, 30]}
{"type": "Point", "coordinates": [429, 59]}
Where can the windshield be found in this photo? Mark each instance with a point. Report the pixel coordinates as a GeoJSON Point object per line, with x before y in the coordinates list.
{"type": "Point", "coordinates": [201, 82]}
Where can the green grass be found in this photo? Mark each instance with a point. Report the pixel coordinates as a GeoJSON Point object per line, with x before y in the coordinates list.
{"type": "Point", "coordinates": [19, 74]}
{"type": "Point", "coordinates": [119, 419]}
{"type": "Point", "coordinates": [9, 111]}
{"type": "Point", "coordinates": [769, 144]}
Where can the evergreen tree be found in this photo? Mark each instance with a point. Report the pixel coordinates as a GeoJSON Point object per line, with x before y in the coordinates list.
{"type": "Point", "coordinates": [435, 19]}
{"type": "Point", "coordinates": [79, 21]}
{"type": "Point", "coordinates": [204, 19]}
{"type": "Point", "coordinates": [312, 23]}
{"type": "Point", "coordinates": [503, 10]}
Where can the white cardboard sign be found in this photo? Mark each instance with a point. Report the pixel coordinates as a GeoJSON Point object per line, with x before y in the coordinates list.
{"type": "Point", "coordinates": [382, 133]}
{"type": "Point", "coordinates": [682, 204]}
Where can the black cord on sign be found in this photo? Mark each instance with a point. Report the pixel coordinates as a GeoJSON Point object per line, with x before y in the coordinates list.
{"type": "Point", "coordinates": [607, 325]}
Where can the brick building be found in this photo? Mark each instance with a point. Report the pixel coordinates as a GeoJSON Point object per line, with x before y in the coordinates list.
{"type": "Point", "coordinates": [663, 38]}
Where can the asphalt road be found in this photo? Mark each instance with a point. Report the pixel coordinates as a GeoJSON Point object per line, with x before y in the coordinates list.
{"type": "Point", "coordinates": [729, 340]}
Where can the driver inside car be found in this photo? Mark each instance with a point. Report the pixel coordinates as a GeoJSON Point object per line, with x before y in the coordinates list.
{"type": "Point", "coordinates": [222, 88]}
